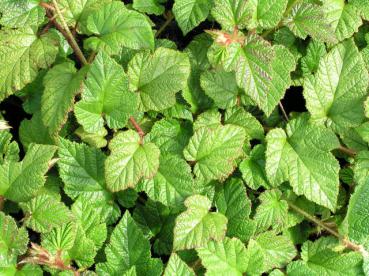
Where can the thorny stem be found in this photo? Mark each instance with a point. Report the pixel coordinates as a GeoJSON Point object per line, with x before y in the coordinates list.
{"type": "Point", "coordinates": [348, 244]}
{"type": "Point", "coordinates": [166, 23]}
{"type": "Point", "coordinates": [64, 29]}
{"type": "Point", "coordinates": [137, 127]}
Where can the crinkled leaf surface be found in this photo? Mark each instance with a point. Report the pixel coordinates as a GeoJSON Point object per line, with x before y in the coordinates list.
{"type": "Point", "coordinates": [221, 87]}
{"type": "Point", "coordinates": [278, 250]}
{"type": "Point", "coordinates": [20, 181]}
{"type": "Point", "coordinates": [62, 83]}
{"type": "Point", "coordinates": [130, 160]}
{"type": "Point", "coordinates": [307, 18]}
{"type": "Point", "coordinates": [13, 240]}
{"type": "Point", "coordinates": [76, 12]}
{"type": "Point", "coordinates": [227, 257]}
{"type": "Point", "coordinates": [116, 26]}
{"type": "Point", "coordinates": [319, 258]}
{"type": "Point", "coordinates": [45, 212]}
{"type": "Point", "coordinates": [19, 13]}
{"type": "Point", "coordinates": [262, 70]}
{"type": "Point", "coordinates": [272, 212]}
{"type": "Point", "coordinates": [149, 6]}
{"type": "Point", "coordinates": [127, 248]}
{"type": "Point", "coordinates": [176, 266]}
{"type": "Point", "coordinates": [340, 85]}
{"type": "Point", "coordinates": [266, 13]}
{"type": "Point", "coordinates": [190, 13]}
{"type": "Point", "coordinates": [173, 182]}
{"type": "Point", "coordinates": [253, 168]}
{"type": "Point", "coordinates": [22, 54]}
{"type": "Point", "coordinates": [158, 77]}
{"type": "Point", "coordinates": [343, 18]}
{"type": "Point", "coordinates": [231, 200]}
{"type": "Point", "coordinates": [196, 226]}
{"type": "Point", "coordinates": [215, 151]}
{"type": "Point", "coordinates": [357, 215]}
{"type": "Point", "coordinates": [230, 13]}
{"type": "Point", "coordinates": [301, 155]}
{"type": "Point", "coordinates": [105, 96]}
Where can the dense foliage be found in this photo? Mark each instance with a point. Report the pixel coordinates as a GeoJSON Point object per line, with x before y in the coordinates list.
{"type": "Point", "coordinates": [152, 138]}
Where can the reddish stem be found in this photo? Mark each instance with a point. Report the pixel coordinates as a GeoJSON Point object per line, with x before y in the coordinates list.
{"type": "Point", "coordinates": [137, 127]}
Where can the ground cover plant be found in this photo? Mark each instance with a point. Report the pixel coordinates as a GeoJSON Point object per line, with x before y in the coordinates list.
{"type": "Point", "coordinates": [185, 137]}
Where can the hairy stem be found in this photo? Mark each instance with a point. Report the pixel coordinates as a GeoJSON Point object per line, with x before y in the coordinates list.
{"type": "Point", "coordinates": [347, 151]}
{"type": "Point", "coordinates": [283, 111]}
{"type": "Point", "coordinates": [64, 29]}
{"type": "Point", "coordinates": [137, 127]}
{"type": "Point", "coordinates": [2, 201]}
{"type": "Point", "coordinates": [166, 23]}
{"type": "Point", "coordinates": [348, 244]}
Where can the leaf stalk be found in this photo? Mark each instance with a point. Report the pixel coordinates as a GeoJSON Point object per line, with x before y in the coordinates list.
{"type": "Point", "coordinates": [347, 243]}
{"type": "Point", "coordinates": [64, 29]}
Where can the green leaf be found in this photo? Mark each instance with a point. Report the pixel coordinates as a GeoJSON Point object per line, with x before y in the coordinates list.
{"type": "Point", "coordinates": [19, 13]}
{"type": "Point", "coordinates": [239, 117]}
{"type": "Point", "coordinates": [105, 96]}
{"type": "Point", "coordinates": [343, 18]}
{"type": "Point", "coordinates": [9, 150]}
{"type": "Point", "coordinates": [176, 266]}
{"type": "Point", "coordinates": [13, 240]}
{"type": "Point", "coordinates": [76, 12]}
{"type": "Point", "coordinates": [196, 226]}
{"type": "Point", "coordinates": [60, 239]}
{"type": "Point", "coordinates": [231, 200]}
{"type": "Point", "coordinates": [115, 27]}
{"type": "Point", "coordinates": [34, 131]}
{"type": "Point", "coordinates": [96, 139]}
{"type": "Point", "coordinates": [44, 212]}
{"type": "Point", "coordinates": [170, 135]}
{"type": "Point", "coordinates": [129, 161]}
{"type": "Point", "coordinates": [210, 119]}
{"type": "Point", "coordinates": [215, 151]}
{"type": "Point", "coordinates": [320, 258]}
{"type": "Point", "coordinates": [158, 77]}
{"type": "Point", "coordinates": [278, 250]}
{"type": "Point", "coordinates": [253, 169]}
{"type": "Point", "coordinates": [272, 212]}
{"type": "Point", "coordinates": [362, 6]}
{"type": "Point", "coordinates": [22, 54]}
{"type": "Point", "coordinates": [221, 87]}
{"type": "Point", "coordinates": [62, 83]}
{"type": "Point", "coordinates": [314, 52]}
{"type": "Point", "coordinates": [90, 221]}
{"type": "Point", "coordinates": [190, 13]}
{"type": "Point", "coordinates": [265, 14]}
{"type": "Point", "coordinates": [309, 19]}
{"type": "Point", "coordinates": [334, 97]}
{"type": "Point", "coordinates": [230, 13]}
{"type": "Point", "coordinates": [127, 248]}
{"type": "Point", "coordinates": [262, 70]}
{"type": "Point", "coordinates": [82, 170]}
{"type": "Point", "coordinates": [227, 257]}
{"type": "Point", "coordinates": [361, 172]}
{"type": "Point", "coordinates": [20, 181]}
{"type": "Point", "coordinates": [149, 6]}
{"type": "Point", "coordinates": [301, 155]}
{"type": "Point", "coordinates": [358, 224]}
{"type": "Point", "coordinates": [173, 182]}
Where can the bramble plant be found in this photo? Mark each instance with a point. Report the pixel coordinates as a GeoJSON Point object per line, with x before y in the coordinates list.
{"type": "Point", "coordinates": [164, 137]}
